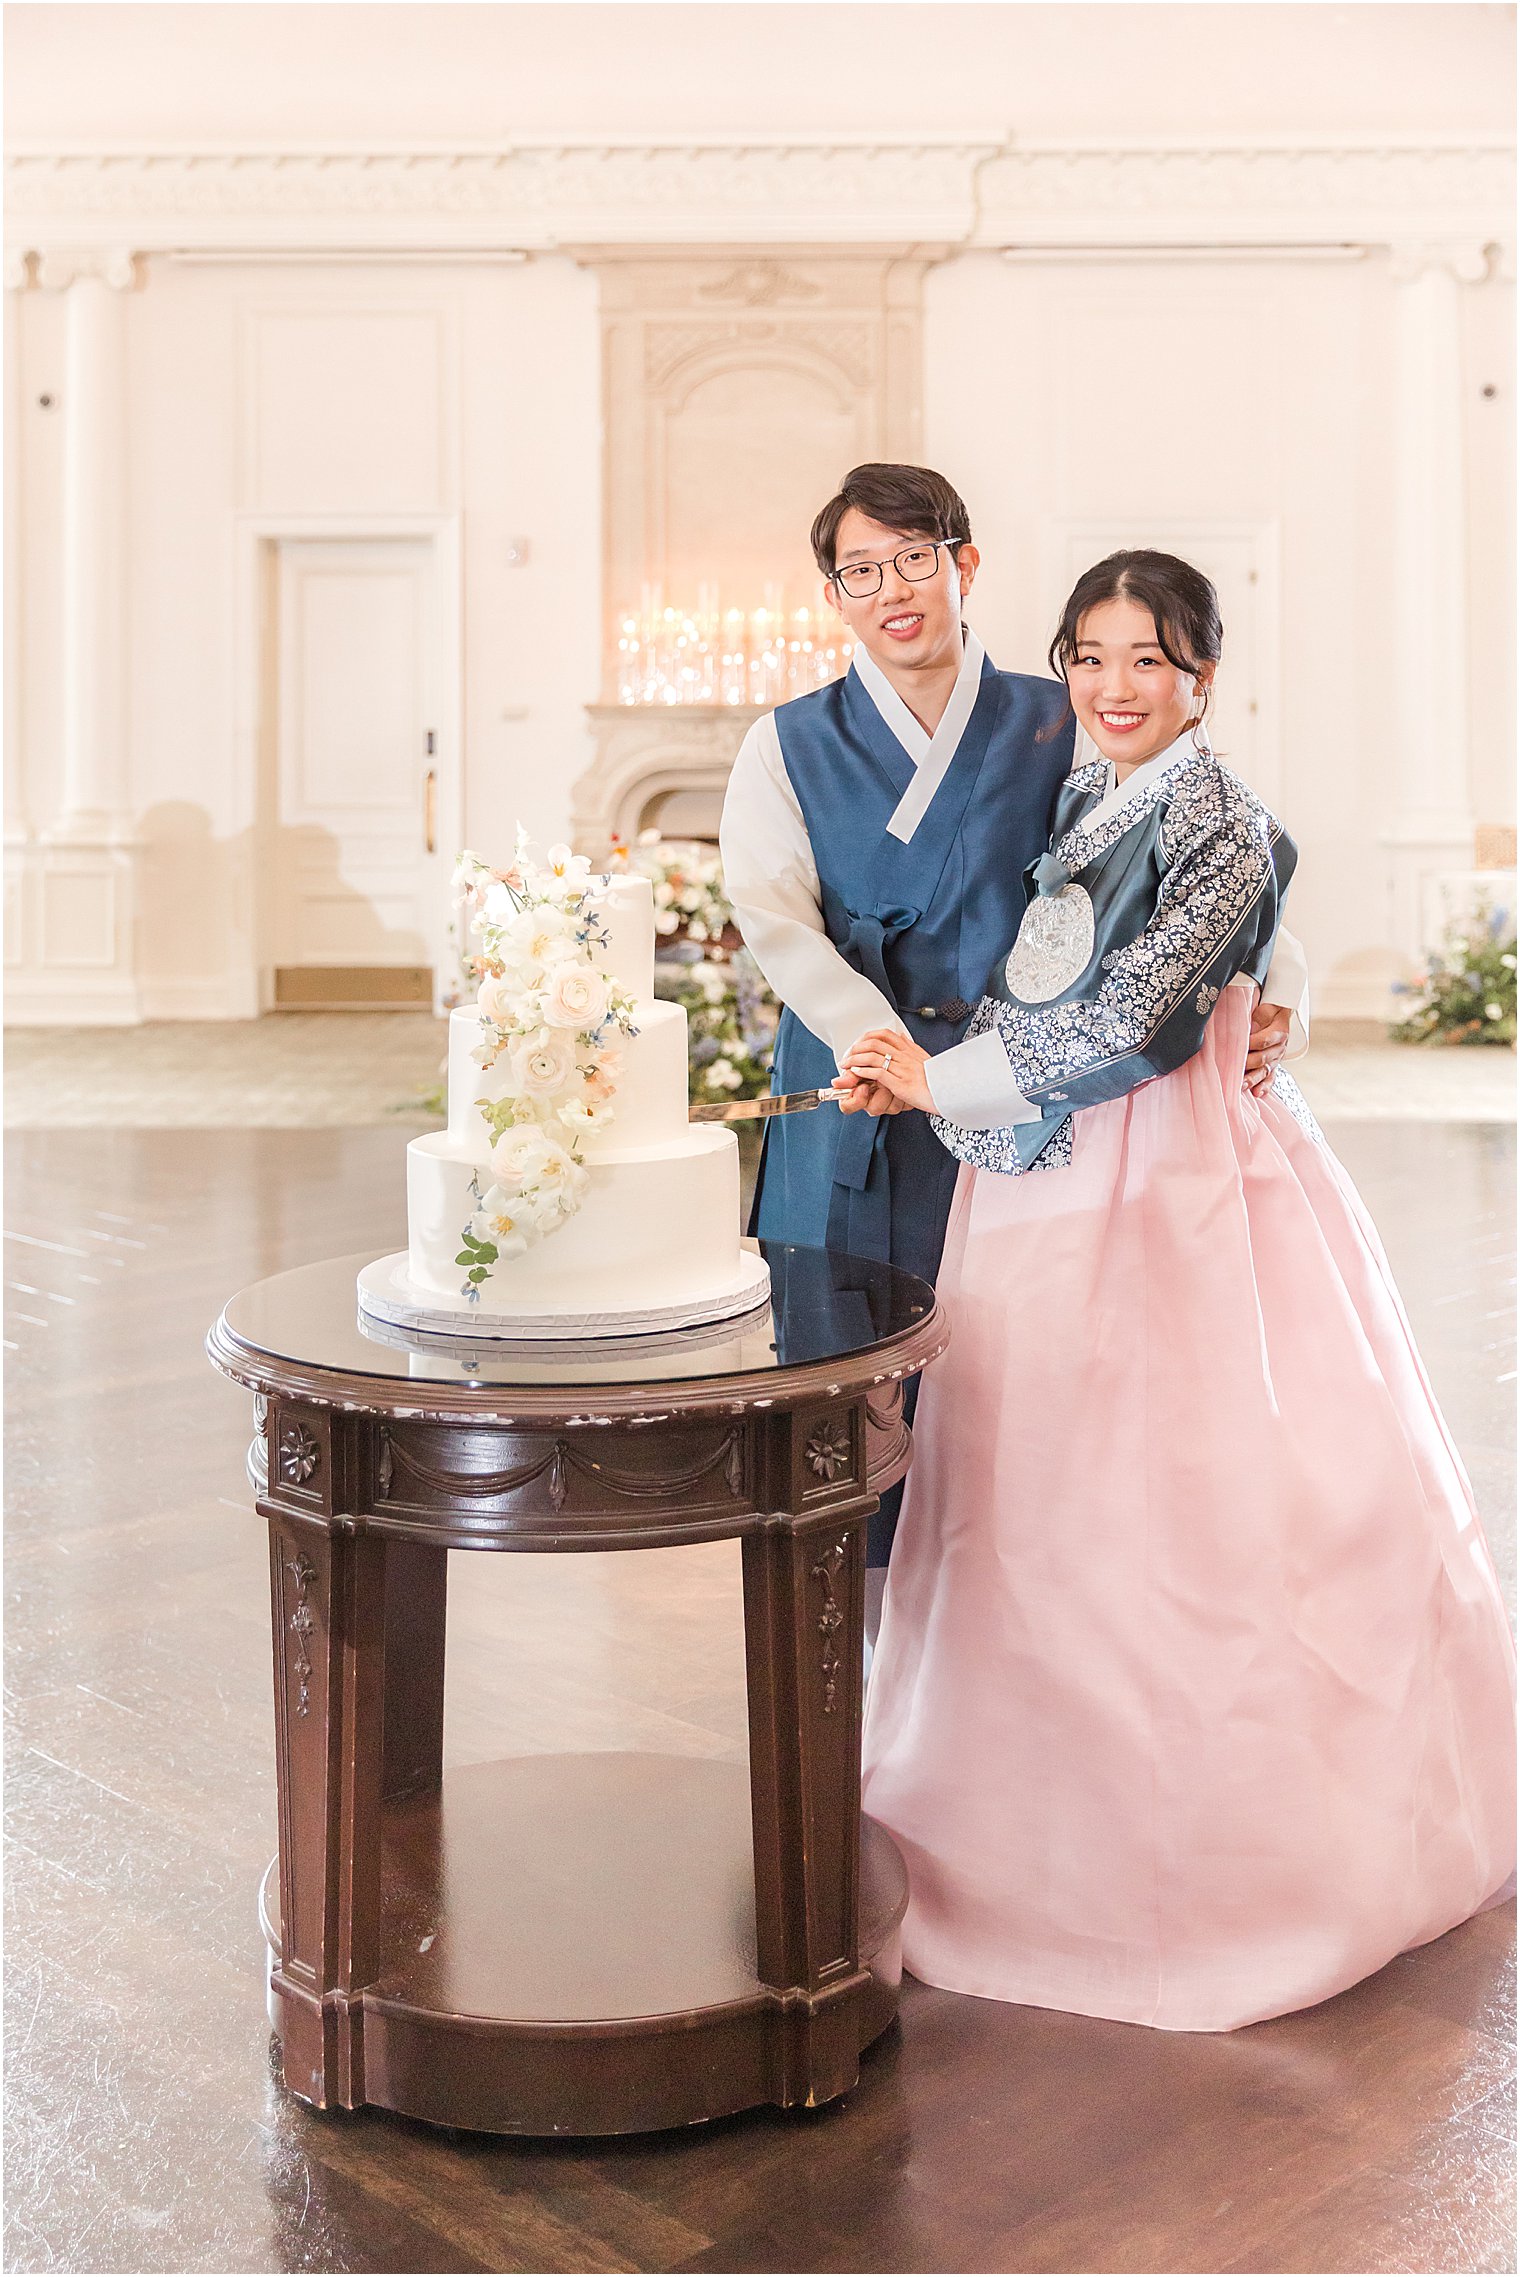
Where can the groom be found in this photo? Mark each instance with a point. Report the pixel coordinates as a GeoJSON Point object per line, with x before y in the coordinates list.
{"type": "Point", "coordinates": [874, 838]}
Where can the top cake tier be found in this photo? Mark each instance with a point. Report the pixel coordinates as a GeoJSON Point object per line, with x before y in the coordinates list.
{"type": "Point", "coordinates": [625, 907]}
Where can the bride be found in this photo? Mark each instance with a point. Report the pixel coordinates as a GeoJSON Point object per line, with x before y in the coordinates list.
{"type": "Point", "coordinates": [1192, 1700]}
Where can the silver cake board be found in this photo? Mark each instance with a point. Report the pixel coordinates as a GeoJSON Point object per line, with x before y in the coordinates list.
{"type": "Point", "coordinates": [387, 1294]}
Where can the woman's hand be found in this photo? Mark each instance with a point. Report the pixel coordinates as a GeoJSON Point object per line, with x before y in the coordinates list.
{"type": "Point", "coordinates": [891, 1060]}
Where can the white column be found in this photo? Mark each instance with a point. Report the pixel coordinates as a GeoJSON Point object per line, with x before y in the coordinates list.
{"type": "Point", "coordinates": [1429, 826]}
{"type": "Point", "coordinates": [75, 883]}
{"type": "Point", "coordinates": [94, 780]}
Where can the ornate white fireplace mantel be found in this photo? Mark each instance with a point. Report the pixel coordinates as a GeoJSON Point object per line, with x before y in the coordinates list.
{"type": "Point", "coordinates": [661, 767]}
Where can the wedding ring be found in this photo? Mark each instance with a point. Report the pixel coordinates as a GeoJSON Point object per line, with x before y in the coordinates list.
{"type": "Point", "coordinates": [886, 1063]}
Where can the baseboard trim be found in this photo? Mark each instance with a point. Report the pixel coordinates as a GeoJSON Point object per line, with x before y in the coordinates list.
{"type": "Point", "coordinates": [56, 1000]}
{"type": "Point", "coordinates": [199, 998]}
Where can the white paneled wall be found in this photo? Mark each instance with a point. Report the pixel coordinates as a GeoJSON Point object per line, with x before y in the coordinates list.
{"type": "Point", "coordinates": [318, 400]}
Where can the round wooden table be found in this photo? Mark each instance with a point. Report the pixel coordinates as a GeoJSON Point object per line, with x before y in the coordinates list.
{"type": "Point", "coordinates": [574, 1944]}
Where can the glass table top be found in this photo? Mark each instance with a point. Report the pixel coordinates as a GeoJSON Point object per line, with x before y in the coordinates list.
{"type": "Point", "coordinates": [823, 1306]}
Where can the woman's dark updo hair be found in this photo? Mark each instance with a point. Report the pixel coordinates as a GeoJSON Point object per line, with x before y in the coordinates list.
{"type": "Point", "coordinates": [1183, 604]}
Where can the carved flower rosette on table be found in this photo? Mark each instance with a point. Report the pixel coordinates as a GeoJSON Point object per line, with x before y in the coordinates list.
{"type": "Point", "coordinates": [548, 1001]}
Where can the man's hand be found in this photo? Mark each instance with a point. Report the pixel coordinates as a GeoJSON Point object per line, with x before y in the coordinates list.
{"type": "Point", "coordinates": [859, 1097]}
{"type": "Point", "coordinates": [1269, 1040]}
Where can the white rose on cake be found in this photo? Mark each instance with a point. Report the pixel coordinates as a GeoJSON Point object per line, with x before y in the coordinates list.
{"type": "Point", "coordinates": [498, 1001]}
{"type": "Point", "coordinates": [523, 1155]}
{"type": "Point", "coordinates": [559, 1184]}
{"type": "Point", "coordinates": [576, 998]}
{"type": "Point", "coordinates": [544, 1062]}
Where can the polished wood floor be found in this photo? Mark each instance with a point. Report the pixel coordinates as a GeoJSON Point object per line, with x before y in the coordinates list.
{"type": "Point", "coordinates": [1372, 2133]}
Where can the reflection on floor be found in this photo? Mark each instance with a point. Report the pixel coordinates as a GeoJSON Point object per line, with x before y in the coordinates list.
{"type": "Point", "coordinates": [1371, 2133]}
{"type": "Point", "coordinates": [319, 1071]}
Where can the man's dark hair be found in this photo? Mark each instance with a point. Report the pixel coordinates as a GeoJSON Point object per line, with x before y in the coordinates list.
{"type": "Point", "coordinates": [902, 497]}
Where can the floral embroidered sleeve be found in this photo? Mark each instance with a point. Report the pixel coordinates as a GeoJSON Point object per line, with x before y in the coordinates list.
{"type": "Point", "coordinates": [1214, 915]}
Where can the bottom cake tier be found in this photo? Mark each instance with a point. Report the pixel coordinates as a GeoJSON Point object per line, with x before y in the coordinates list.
{"type": "Point", "coordinates": [655, 1241]}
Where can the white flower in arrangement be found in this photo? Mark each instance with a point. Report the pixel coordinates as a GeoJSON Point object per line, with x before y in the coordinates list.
{"type": "Point", "coordinates": [667, 921]}
{"type": "Point", "coordinates": [534, 939]}
{"type": "Point", "coordinates": [565, 876]}
{"type": "Point", "coordinates": [503, 1223]}
{"type": "Point", "coordinates": [498, 1001]}
{"type": "Point", "coordinates": [576, 997]}
{"type": "Point", "coordinates": [581, 1115]}
{"type": "Point", "coordinates": [543, 1062]}
{"type": "Point", "coordinates": [517, 1156]}
{"type": "Point", "coordinates": [724, 1076]}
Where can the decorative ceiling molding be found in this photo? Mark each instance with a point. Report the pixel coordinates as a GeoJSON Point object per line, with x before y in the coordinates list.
{"type": "Point", "coordinates": [525, 196]}
{"type": "Point", "coordinates": [1246, 193]}
{"type": "Point", "coordinates": [967, 191]}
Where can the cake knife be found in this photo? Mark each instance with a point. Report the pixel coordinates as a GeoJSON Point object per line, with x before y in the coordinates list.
{"type": "Point", "coordinates": [772, 1103]}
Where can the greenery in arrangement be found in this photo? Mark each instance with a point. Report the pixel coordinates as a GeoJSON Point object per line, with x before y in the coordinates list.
{"type": "Point", "coordinates": [1466, 994]}
{"type": "Point", "coordinates": [731, 1022]}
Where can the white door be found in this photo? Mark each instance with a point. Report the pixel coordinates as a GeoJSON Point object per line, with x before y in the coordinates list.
{"type": "Point", "coordinates": [352, 886]}
{"type": "Point", "coordinates": [1241, 560]}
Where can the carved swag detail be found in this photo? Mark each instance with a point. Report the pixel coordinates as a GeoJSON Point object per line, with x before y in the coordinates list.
{"type": "Point", "coordinates": [563, 1458]}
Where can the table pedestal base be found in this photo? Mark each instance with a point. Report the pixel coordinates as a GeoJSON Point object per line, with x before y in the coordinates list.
{"type": "Point", "coordinates": [568, 1947]}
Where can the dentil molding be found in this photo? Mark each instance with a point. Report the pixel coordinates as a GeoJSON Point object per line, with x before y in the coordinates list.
{"type": "Point", "coordinates": [970, 190]}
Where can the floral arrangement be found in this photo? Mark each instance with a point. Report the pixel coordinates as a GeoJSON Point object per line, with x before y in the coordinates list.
{"type": "Point", "coordinates": [548, 1002]}
{"type": "Point", "coordinates": [687, 878]}
{"type": "Point", "coordinates": [1467, 990]}
{"type": "Point", "coordinates": [731, 1021]}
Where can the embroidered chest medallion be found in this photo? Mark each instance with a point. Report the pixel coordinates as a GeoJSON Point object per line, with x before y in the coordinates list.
{"type": "Point", "coordinates": [1054, 946]}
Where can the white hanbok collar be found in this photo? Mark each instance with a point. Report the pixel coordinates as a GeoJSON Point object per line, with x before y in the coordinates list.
{"type": "Point", "coordinates": [1142, 781]}
{"type": "Point", "coordinates": [931, 754]}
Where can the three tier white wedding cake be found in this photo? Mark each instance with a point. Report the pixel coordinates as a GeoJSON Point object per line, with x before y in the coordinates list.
{"type": "Point", "coordinates": [569, 1194]}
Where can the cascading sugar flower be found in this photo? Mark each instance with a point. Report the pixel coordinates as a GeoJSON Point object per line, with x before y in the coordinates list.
{"type": "Point", "coordinates": [547, 1002]}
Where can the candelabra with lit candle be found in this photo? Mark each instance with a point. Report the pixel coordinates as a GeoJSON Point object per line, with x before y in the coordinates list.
{"type": "Point", "coordinates": [712, 655]}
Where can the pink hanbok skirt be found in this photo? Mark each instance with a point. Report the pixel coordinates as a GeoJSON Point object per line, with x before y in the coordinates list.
{"type": "Point", "coordinates": [1193, 1701]}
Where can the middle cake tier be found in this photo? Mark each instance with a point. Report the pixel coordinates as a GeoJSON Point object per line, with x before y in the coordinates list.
{"type": "Point", "coordinates": [648, 1105]}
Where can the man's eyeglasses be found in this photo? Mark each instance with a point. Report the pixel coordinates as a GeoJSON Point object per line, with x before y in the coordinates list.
{"type": "Point", "coordinates": [914, 564]}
